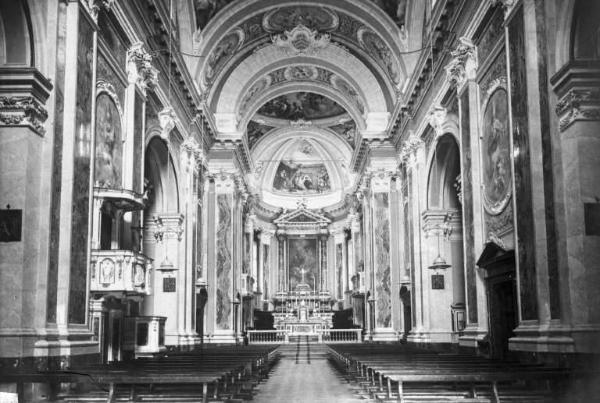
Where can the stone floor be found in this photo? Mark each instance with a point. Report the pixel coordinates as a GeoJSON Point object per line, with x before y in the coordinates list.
{"type": "Point", "coordinates": [304, 375]}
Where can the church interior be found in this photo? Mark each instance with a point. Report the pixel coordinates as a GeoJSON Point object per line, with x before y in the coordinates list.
{"type": "Point", "coordinates": [299, 201]}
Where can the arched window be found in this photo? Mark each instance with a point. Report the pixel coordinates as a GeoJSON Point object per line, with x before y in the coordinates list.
{"type": "Point", "coordinates": [15, 34]}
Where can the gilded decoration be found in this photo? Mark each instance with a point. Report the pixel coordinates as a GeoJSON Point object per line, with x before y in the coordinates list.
{"type": "Point", "coordinates": [139, 67]}
{"type": "Point", "coordinates": [380, 51]}
{"type": "Point", "coordinates": [23, 110]}
{"type": "Point", "coordinates": [495, 149]}
{"type": "Point", "coordinates": [305, 73]}
{"type": "Point", "coordinates": [463, 65]}
{"type": "Point", "coordinates": [578, 104]}
{"type": "Point", "coordinates": [301, 41]}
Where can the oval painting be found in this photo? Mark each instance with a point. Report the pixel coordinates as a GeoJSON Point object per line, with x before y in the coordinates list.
{"type": "Point", "coordinates": [495, 150]}
{"type": "Point", "coordinates": [109, 147]}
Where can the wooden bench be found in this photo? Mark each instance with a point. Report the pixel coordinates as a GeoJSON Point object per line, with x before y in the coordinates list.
{"type": "Point", "coordinates": [378, 367]}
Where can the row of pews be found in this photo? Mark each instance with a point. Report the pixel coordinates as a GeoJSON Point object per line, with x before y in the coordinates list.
{"type": "Point", "coordinates": [394, 372]}
{"type": "Point", "coordinates": [213, 373]}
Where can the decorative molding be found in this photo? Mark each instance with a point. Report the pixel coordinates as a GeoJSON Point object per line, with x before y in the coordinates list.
{"type": "Point", "coordinates": [23, 111]}
{"type": "Point", "coordinates": [168, 227]}
{"type": "Point", "coordinates": [139, 67]}
{"type": "Point", "coordinates": [463, 65]}
{"type": "Point", "coordinates": [94, 6]}
{"type": "Point", "coordinates": [408, 151]}
{"type": "Point", "coordinates": [166, 119]}
{"type": "Point", "coordinates": [436, 118]}
{"type": "Point", "coordinates": [578, 105]}
{"type": "Point", "coordinates": [104, 87]}
{"type": "Point", "coordinates": [192, 155]}
{"type": "Point", "coordinates": [301, 41]}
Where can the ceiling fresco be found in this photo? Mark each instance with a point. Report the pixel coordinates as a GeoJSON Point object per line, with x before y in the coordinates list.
{"type": "Point", "coordinates": [347, 130]}
{"type": "Point", "coordinates": [301, 105]}
{"type": "Point", "coordinates": [301, 170]}
{"type": "Point", "coordinates": [302, 73]}
{"type": "Point", "coordinates": [396, 9]}
{"type": "Point", "coordinates": [256, 131]}
{"type": "Point", "coordinates": [205, 10]}
{"type": "Point", "coordinates": [258, 30]}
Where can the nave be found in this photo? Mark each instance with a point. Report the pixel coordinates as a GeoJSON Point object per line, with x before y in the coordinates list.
{"type": "Point", "coordinates": [302, 371]}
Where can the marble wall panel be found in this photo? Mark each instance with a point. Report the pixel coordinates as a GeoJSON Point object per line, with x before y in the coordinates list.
{"type": "Point", "coordinates": [491, 34]}
{"type": "Point", "coordinates": [57, 158]}
{"type": "Point", "coordinates": [81, 173]}
{"type": "Point", "coordinates": [224, 260]}
{"type": "Point", "coordinates": [138, 143]}
{"type": "Point", "coordinates": [266, 272]}
{"type": "Point", "coordinates": [522, 172]}
{"type": "Point", "coordinates": [339, 267]}
{"type": "Point", "coordinates": [467, 204]}
{"type": "Point", "coordinates": [113, 37]}
{"type": "Point", "coordinates": [381, 227]}
{"type": "Point", "coordinates": [105, 72]}
{"type": "Point", "coordinates": [553, 276]}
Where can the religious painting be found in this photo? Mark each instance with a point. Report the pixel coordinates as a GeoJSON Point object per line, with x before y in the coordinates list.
{"type": "Point", "coordinates": [295, 177]}
{"type": "Point", "coordinates": [109, 147]}
{"type": "Point", "coordinates": [10, 225]}
{"type": "Point", "coordinates": [301, 105]}
{"type": "Point", "coordinates": [303, 264]}
{"type": "Point", "coordinates": [495, 146]}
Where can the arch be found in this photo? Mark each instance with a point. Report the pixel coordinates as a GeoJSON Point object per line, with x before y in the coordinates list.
{"type": "Point", "coordinates": [16, 39]}
{"type": "Point", "coordinates": [162, 176]}
{"type": "Point", "coordinates": [270, 57]}
{"type": "Point", "coordinates": [444, 169]}
{"type": "Point", "coordinates": [352, 110]}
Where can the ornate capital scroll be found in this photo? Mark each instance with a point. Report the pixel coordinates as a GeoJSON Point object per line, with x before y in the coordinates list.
{"type": "Point", "coordinates": [463, 66]}
{"type": "Point", "coordinates": [576, 105]}
{"type": "Point", "coordinates": [139, 67]}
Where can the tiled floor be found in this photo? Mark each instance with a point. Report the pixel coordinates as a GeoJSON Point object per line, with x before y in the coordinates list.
{"type": "Point", "coordinates": [305, 376]}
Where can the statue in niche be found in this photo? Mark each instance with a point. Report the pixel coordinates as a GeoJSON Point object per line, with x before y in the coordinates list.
{"type": "Point", "coordinates": [108, 159]}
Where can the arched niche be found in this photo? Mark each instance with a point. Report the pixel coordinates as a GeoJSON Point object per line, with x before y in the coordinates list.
{"type": "Point", "coordinates": [161, 177]}
{"type": "Point", "coordinates": [16, 44]}
{"type": "Point", "coordinates": [443, 173]}
{"type": "Point", "coordinates": [585, 31]}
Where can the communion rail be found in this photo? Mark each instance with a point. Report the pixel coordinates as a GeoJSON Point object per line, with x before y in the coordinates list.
{"type": "Point", "coordinates": [330, 336]}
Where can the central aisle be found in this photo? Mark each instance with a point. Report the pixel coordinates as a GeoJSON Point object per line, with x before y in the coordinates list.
{"type": "Point", "coordinates": [304, 375]}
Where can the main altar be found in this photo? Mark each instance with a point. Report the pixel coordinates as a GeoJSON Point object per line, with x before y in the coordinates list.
{"type": "Point", "coordinates": [303, 304]}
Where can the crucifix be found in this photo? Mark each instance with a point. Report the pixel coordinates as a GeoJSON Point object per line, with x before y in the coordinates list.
{"type": "Point", "coordinates": [303, 271]}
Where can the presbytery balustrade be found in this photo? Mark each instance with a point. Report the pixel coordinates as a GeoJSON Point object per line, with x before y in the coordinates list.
{"type": "Point", "coordinates": [120, 272]}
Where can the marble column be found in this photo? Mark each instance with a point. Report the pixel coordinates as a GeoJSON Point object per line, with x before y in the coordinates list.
{"type": "Point", "coordinates": [381, 182]}
{"type": "Point", "coordinates": [462, 73]}
{"type": "Point", "coordinates": [323, 264]}
{"type": "Point", "coordinates": [578, 111]}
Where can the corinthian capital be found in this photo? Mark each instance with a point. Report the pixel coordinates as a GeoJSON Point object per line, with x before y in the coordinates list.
{"type": "Point", "coordinates": [463, 66]}
{"type": "Point", "coordinates": [139, 67]}
{"type": "Point", "coordinates": [408, 152]}
{"type": "Point", "coordinates": [437, 118]}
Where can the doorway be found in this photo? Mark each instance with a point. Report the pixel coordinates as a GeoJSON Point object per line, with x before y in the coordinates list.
{"type": "Point", "coordinates": [498, 267]}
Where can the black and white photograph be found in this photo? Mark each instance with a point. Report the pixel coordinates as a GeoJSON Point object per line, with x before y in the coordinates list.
{"type": "Point", "coordinates": [300, 201]}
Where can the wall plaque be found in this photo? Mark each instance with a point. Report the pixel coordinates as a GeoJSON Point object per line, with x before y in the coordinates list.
{"type": "Point", "coordinates": [437, 282]}
{"type": "Point", "coordinates": [169, 284]}
{"type": "Point", "coordinates": [10, 225]}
